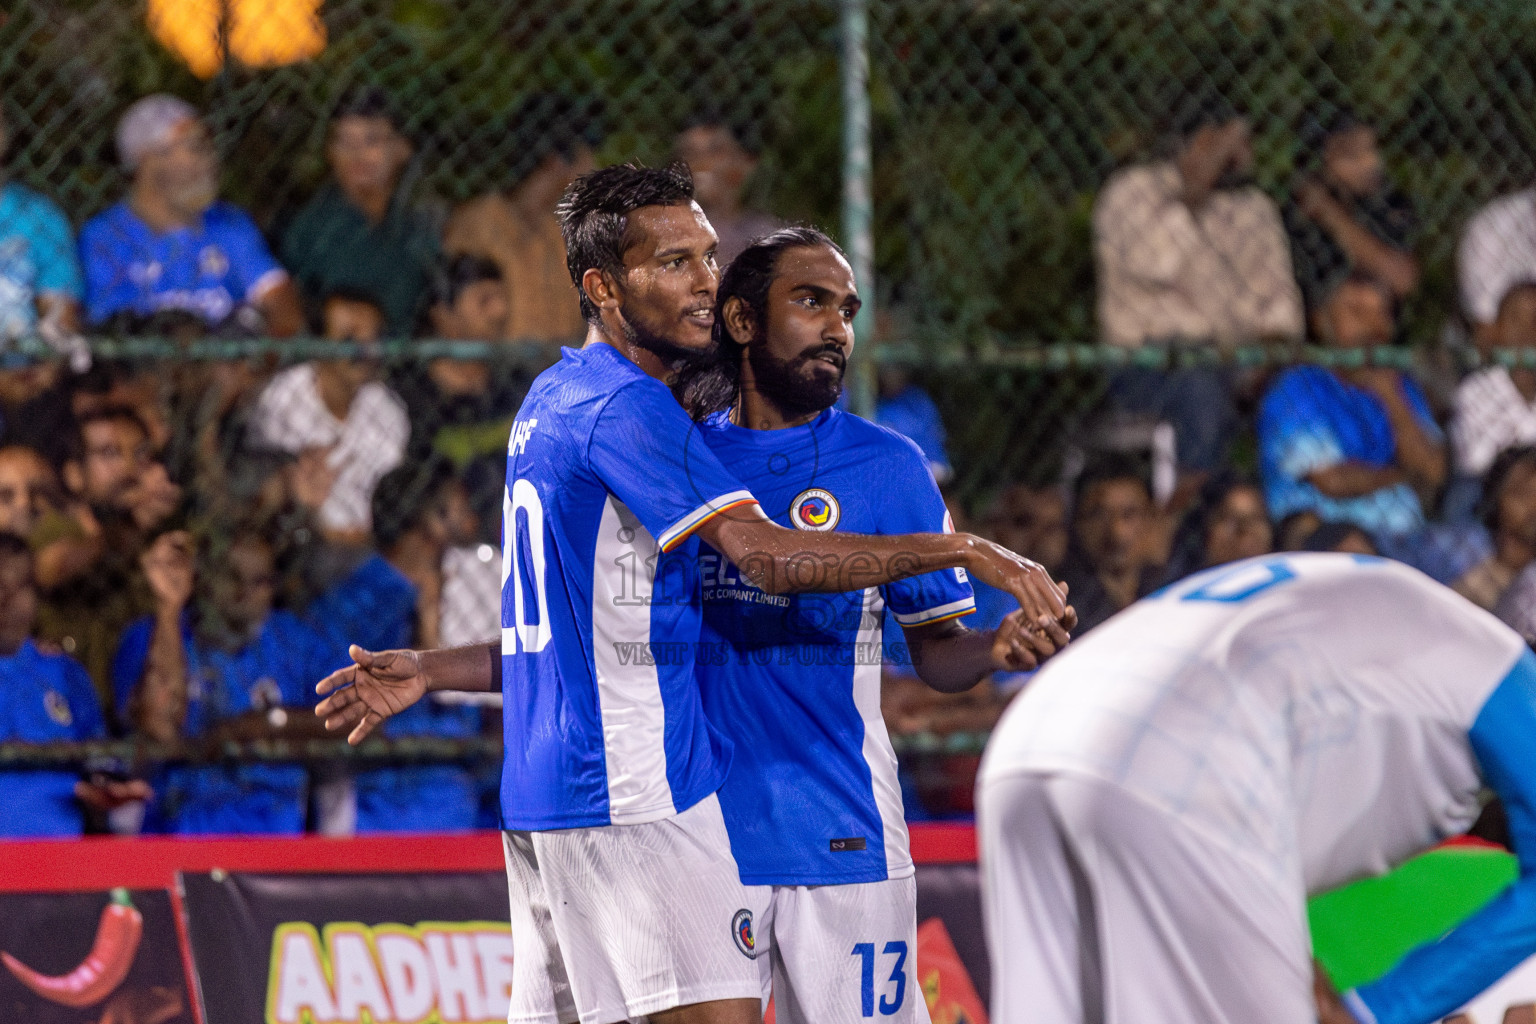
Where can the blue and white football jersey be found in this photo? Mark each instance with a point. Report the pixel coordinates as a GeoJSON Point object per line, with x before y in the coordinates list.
{"type": "Point", "coordinates": [607, 478]}
{"type": "Point", "coordinates": [794, 680]}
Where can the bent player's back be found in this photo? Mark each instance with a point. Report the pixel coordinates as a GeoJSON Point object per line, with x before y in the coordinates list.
{"type": "Point", "coordinates": [600, 611]}
{"type": "Point", "coordinates": [1308, 709]}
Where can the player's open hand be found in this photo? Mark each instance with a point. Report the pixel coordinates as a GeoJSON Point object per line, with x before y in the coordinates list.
{"type": "Point", "coordinates": [1040, 598]}
{"type": "Point", "coordinates": [1020, 646]}
{"type": "Point", "coordinates": [362, 695]}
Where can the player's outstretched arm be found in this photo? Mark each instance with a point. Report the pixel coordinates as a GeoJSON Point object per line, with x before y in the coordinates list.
{"type": "Point", "coordinates": [380, 684]}
{"type": "Point", "coordinates": [782, 561]}
{"type": "Point", "coordinates": [951, 658]}
{"type": "Point", "coordinates": [1438, 977]}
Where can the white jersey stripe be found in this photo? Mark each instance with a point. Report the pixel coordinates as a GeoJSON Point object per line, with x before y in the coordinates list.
{"type": "Point", "coordinates": [878, 753]}
{"type": "Point", "coordinates": [628, 688]}
{"type": "Point", "coordinates": [693, 520]}
{"type": "Point", "coordinates": [943, 611]}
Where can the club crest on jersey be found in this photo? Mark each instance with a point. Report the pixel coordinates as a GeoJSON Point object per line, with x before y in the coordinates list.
{"type": "Point", "coordinates": [741, 931]}
{"type": "Point", "coordinates": [58, 708]}
{"type": "Point", "coordinates": [815, 509]}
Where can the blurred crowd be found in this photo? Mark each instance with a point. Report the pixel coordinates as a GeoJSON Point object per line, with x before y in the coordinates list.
{"type": "Point", "coordinates": [186, 548]}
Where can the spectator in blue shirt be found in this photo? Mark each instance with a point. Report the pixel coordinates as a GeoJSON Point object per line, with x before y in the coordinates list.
{"type": "Point", "coordinates": [1352, 445]}
{"type": "Point", "coordinates": [44, 698]}
{"type": "Point", "coordinates": [906, 408]}
{"type": "Point", "coordinates": [225, 665]}
{"type": "Point", "coordinates": [39, 278]}
{"type": "Point", "coordinates": [171, 245]}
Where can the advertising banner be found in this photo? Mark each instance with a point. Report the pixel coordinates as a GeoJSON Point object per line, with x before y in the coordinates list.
{"type": "Point", "coordinates": [1361, 930]}
{"type": "Point", "coordinates": [322, 949]}
{"type": "Point", "coordinates": [91, 958]}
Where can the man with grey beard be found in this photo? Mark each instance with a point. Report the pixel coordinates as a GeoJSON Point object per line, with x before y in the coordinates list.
{"type": "Point", "coordinates": [171, 245]}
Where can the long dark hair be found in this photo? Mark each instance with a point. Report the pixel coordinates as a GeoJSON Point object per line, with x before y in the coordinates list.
{"type": "Point", "coordinates": [712, 385]}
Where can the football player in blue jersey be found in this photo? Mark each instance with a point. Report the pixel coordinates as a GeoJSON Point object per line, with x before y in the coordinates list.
{"type": "Point", "coordinates": [625, 898]}
{"type": "Point", "coordinates": [812, 804]}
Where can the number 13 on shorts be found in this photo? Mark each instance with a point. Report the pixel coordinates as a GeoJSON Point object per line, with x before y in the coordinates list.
{"type": "Point", "coordinates": [893, 989]}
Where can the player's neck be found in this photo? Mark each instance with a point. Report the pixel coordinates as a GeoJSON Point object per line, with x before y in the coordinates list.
{"type": "Point", "coordinates": [756, 411]}
{"type": "Point", "coordinates": [642, 357]}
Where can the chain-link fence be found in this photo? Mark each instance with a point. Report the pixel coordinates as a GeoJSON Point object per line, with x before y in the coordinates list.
{"type": "Point", "coordinates": [1099, 229]}
{"type": "Point", "coordinates": [995, 124]}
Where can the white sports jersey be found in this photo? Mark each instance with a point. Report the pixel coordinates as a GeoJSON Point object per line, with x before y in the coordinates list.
{"type": "Point", "coordinates": [1308, 711]}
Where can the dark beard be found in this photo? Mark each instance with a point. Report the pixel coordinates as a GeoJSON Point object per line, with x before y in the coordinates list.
{"type": "Point", "coordinates": [783, 383]}
{"type": "Point", "coordinates": [674, 356]}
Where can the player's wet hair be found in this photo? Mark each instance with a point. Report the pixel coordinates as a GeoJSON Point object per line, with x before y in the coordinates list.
{"type": "Point", "coordinates": [594, 216]}
{"type": "Point", "coordinates": [712, 387]}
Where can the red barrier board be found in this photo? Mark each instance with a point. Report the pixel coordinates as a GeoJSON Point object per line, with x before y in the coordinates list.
{"type": "Point", "coordinates": [151, 862]}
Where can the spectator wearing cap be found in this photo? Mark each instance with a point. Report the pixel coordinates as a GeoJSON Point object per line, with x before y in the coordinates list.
{"type": "Point", "coordinates": [40, 285]}
{"type": "Point", "coordinates": [1345, 215]}
{"type": "Point", "coordinates": [516, 227]}
{"type": "Point", "coordinates": [360, 231]}
{"type": "Point", "coordinates": [722, 159]}
{"type": "Point", "coordinates": [172, 245]}
{"type": "Point", "coordinates": [1508, 510]}
{"type": "Point", "coordinates": [1352, 445]}
{"type": "Point", "coordinates": [1189, 251]}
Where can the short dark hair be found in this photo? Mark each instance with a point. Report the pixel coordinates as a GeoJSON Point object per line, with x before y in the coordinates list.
{"type": "Point", "coordinates": [405, 494]}
{"type": "Point", "coordinates": [550, 122]}
{"type": "Point", "coordinates": [1197, 108]}
{"type": "Point", "coordinates": [455, 273]}
{"type": "Point", "coordinates": [369, 102]}
{"type": "Point", "coordinates": [745, 132]}
{"type": "Point", "coordinates": [75, 450]}
{"type": "Point", "coordinates": [594, 216]}
{"type": "Point", "coordinates": [1105, 467]}
{"type": "Point", "coordinates": [1498, 476]}
{"type": "Point", "coordinates": [13, 546]}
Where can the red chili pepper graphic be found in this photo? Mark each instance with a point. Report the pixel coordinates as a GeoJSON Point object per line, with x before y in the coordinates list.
{"type": "Point", "coordinates": [117, 941]}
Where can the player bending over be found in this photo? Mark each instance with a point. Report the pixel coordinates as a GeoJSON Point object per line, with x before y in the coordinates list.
{"type": "Point", "coordinates": [1157, 806]}
{"type": "Point", "coordinates": [623, 889]}
{"type": "Point", "coordinates": [812, 804]}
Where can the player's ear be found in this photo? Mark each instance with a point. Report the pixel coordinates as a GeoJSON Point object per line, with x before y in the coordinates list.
{"type": "Point", "coordinates": [601, 288]}
{"type": "Point", "coordinates": [738, 320]}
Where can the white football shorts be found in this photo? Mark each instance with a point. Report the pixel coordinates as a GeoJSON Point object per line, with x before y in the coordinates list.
{"type": "Point", "coordinates": [839, 952]}
{"type": "Point", "coordinates": [1102, 909]}
{"type": "Point", "coordinates": [619, 921]}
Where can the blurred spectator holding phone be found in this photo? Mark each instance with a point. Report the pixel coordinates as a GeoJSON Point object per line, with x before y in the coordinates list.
{"type": "Point", "coordinates": [1344, 214]}
{"type": "Point", "coordinates": [216, 660]}
{"type": "Point", "coordinates": [1190, 252]}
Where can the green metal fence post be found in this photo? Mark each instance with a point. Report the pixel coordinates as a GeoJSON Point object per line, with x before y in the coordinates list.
{"type": "Point", "coordinates": [858, 213]}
